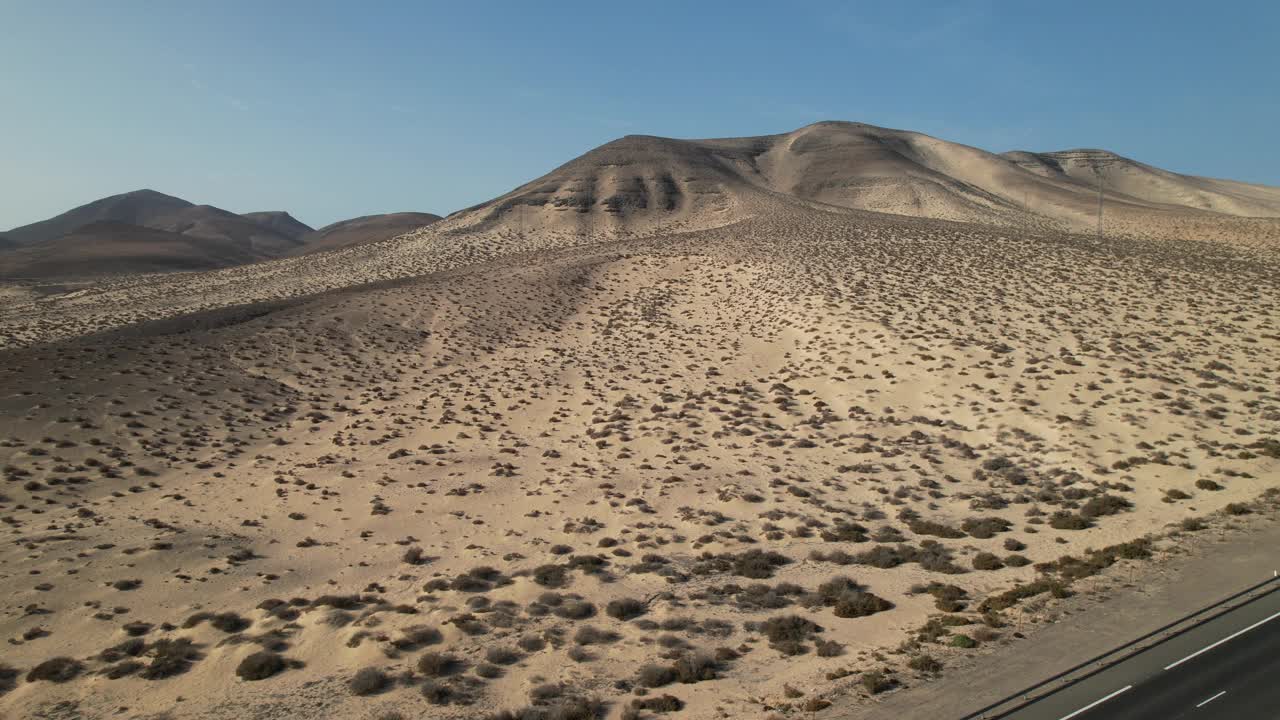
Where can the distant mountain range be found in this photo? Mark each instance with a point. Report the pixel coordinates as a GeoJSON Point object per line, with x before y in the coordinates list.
{"type": "Point", "coordinates": [148, 231]}
{"type": "Point", "coordinates": [645, 185]}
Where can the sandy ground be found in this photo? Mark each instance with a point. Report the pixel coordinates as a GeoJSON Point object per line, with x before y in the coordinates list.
{"type": "Point", "coordinates": [791, 451]}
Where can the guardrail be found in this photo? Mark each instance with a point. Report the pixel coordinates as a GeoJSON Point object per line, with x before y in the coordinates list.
{"type": "Point", "coordinates": [1049, 686]}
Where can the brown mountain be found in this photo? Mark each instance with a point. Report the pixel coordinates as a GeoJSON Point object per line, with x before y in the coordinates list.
{"type": "Point", "coordinates": [643, 184]}
{"type": "Point", "coordinates": [281, 222]}
{"type": "Point", "coordinates": [140, 207]}
{"type": "Point", "coordinates": [108, 247]}
{"type": "Point", "coordinates": [361, 230]}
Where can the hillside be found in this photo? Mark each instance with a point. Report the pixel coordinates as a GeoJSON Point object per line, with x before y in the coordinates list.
{"type": "Point", "coordinates": [362, 230]}
{"type": "Point", "coordinates": [728, 466]}
{"type": "Point", "coordinates": [642, 184]}
{"type": "Point", "coordinates": [281, 222]}
{"type": "Point", "coordinates": [140, 207]}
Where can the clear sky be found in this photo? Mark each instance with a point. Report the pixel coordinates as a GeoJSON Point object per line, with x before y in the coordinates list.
{"type": "Point", "coordinates": [332, 110]}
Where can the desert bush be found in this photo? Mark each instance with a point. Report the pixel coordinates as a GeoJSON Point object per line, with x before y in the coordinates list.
{"type": "Point", "coordinates": [260, 665]}
{"type": "Point", "coordinates": [367, 681]}
{"type": "Point", "coordinates": [1207, 484]}
{"type": "Point", "coordinates": [789, 627]}
{"type": "Point", "coordinates": [501, 655]}
{"type": "Point", "coordinates": [758, 564]}
{"type": "Point", "coordinates": [937, 529]}
{"type": "Point", "coordinates": [983, 528]}
{"type": "Point", "coordinates": [436, 692]}
{"type": "Point", "coordinates": [659, 704]}
{"type": "Point", "coordinates": [1237, 509]}
{"type": "Point", "coordinates": [1014, 545]}
{"type": "Point", "coordinates": [55, 670]}
{"type": "Point", "coordinates": [963, 641]}
{"type": "Point", "coordinates": [414, 556]}
{"type": "Point", "coordinates": [436, 664]}
{"type": "Point", "coordinates": [591, 635]}
{"type": "Point", "coordinates": [1016, 560]}
{"type": "Point", "coordinates": [626, 608]}
{"type": "Point", "coordinates": [1063, 520]}
{"type": "Point", "coordinates": [828, 648]}
{"type": "Point", "coordinates": [986, 561]}
{"type": "Point", "coordinates": [652, 676]}
{"type": "Point", "coordinates": [488, 671]}
{"type": "Point", "coordinates": [416, 636]}
{"type": "Point", "coordinates": [1104, 505]}
{"type": "Point", "coordinates": [876, 682]}
{"type": "Point", "coordinates": [170, 657]}
{"type": "Point", "coordinates": [925, 664]}
{"type": "Point", "coordinates": [696, 666]}
{"type": "Point", "coordinates": [531, 643]}
{"type": "Point", "coordinates": [552, 576]}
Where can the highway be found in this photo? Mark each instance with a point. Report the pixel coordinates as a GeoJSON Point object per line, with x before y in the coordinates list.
{"type": "Point", "coordinates": [1227, 668]}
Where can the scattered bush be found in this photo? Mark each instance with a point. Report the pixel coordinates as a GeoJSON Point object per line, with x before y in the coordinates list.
{"type": "Point", "coordinates": [56, 670]}
{"type": "Point", "coordinates": [260, 665]}
{"type": "Point", "coordinates": [987, 561]}
{"type": "Point", "coordinates": [626, 608]}
{"type": "Point", "coordinates": [367, 681]}
{"type": "Point", "coordinates": [876, 682]}
{"type": "Point", "coordinates": [1207, 484]}
{"type": "Point", "coordinates": [925, 664]}
{"type": "Point", "coordinates": [435, 664]}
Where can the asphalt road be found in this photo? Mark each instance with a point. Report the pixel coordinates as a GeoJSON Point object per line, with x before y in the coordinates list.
{"type": "Point", "coordinates": [1228, 669]}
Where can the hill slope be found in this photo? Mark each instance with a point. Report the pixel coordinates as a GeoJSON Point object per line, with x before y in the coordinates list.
{"type": "Point", "coordinates": [361, 230]}
{"type": "Point", "coordinates": [108, 247]}
{"type": "Point", "coordinates": [139, 207]}
{"type": "Point", "coordinates": [281, 222]}
{"type": "Point", "coordinates": [642, 184]}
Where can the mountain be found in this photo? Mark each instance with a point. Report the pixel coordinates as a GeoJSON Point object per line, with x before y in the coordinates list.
{"type": "Point", "coordinates": [281, 222]}
{"type": "Point", "coordinates": [644, 184]}
{"type": "Point", "coordinates": [6, 243]}
{"type": "Point", "coordinates": [361, 230]}
{"type": "Point", "coordinates": [140, 207]}
{"type": "Point", "coordinates": [142, 232]}
{"type": "Point", "coordinates": [109, 247]}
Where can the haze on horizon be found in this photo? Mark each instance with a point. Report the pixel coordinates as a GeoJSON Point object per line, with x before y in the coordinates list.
{"type": "Point", "coordinates": [335, 112]}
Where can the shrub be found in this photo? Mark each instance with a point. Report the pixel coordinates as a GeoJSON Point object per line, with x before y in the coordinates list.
{"type": "Point", "coordinates": [1104, 505]}
{"type": "Point", "coordinates": [652, 676]}
{"type": "Point", "coordinates": [367, 681]}
{"type": "Point", "coordinates": [552, 576]}
{"type": "Point", "coordinates": [986, 561]}
{"type": "Point", "coordinates": [983, 528]}
{"type": "Point", "coordinates": [501, 655]}
{"type": "Point", "coordinates": [170, 657]}
{"type": "Point", "coordinates": [1063, 520]}
{"type": "Point", "coordinates": [929, 527]}
{"type": "Point", "coordinates": [414, 556]}
{"type": "Point", "coordinates": [1016, 560]}
{"type": "Point", "coordinates": [695, 667]}
{"type": "Point", "coordinates": [1014, 545]}
{"type": "Point", "coordinates": [829, 648]}
{"type": "Point", "coordinates": [789, 627]}
{"type": "Point", "coordinates": [416, 636]}
{"type": "Point", "coordinates": [436, 692]}
{"type": "Point", "coordinates": [531, 643]}
{"type": "Point", "coordinates": [591, 635]}
{"type": "Point", "coordinates": [758, 564]}
{"type": "Point", "coordinates": [858, 603]}
{"type": "Point", "coordinates": [260, 665]}
{"type": "Point", "coordinates": [626, 608]}
{"type": "Point", "coordinates": [876, 682]}
{"type": "Point", "coordinates": [1176, 494]}
{"type": "Point", "coordinates": [963, 641]}
{"type": "Point", "coordinates": [1237, 509]}
{"type": "Point", "coordinates": [435, 664]}
{"type": "Point", "coordinates": [659, 704]}
{"type": "Point", "coordinates": [925, 664]}
{"type": "Point", "coordinates": [55, 670]}
{"type": "Point", "coordinates": [1207, 484]}
{"type": "Point", "coordinates": [488, 671]}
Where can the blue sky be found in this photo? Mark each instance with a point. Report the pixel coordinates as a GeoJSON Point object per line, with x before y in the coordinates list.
{"type": "Point", "coordinates": [332, 110]}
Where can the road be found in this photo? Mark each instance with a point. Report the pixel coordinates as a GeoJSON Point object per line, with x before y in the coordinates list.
{"type": "Point", "coordinates": [1228, 669]}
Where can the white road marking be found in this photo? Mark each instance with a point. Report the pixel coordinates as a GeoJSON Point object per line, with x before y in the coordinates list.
{"type": "Point", "coordinates": [1229, 637]}
{"type": "Point", "coordinates": [1096, 703]}
{"type": "Point", "coordinates": [1215, 697]}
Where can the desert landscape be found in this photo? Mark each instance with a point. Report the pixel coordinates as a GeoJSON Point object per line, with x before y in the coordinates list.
{"type": "Point", "coordinates": [728, 428]}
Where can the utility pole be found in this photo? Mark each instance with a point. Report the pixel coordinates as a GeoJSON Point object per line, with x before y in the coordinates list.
{"type": "Point", "coordinates": [1098, 169]}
